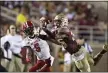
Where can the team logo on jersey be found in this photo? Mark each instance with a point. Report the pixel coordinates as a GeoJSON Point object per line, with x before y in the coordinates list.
{"type": "Point", "coordinates": [36, 46]}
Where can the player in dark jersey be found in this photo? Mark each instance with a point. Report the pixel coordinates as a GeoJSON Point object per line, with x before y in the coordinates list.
{"type": "Point", "coordinates": [74, 48]}
{"type": "Point", "coordinates": [61, 21]}
{"type": "Point", "coordinates": [72, 45]}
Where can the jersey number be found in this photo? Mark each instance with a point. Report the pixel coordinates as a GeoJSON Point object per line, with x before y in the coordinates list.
{"type": "Point", "coordinates": [37, 48]}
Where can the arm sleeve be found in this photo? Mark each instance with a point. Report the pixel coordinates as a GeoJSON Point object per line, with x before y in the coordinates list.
{"type": "Point", "coordinates": [44, 37]}
{"type": "Point", "coordinates": [50, 34]}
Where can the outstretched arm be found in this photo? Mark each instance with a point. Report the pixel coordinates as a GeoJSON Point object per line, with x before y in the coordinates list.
{"type": "Point", "coordinates": [50, 34]}
{"type": "Point", "coordinates": [100, 54]}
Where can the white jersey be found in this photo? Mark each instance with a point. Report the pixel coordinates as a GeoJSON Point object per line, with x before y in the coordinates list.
{"type": "Point", "coordinates": [40, 47]}
{"type": "Point", "coordinates": [15, 44]}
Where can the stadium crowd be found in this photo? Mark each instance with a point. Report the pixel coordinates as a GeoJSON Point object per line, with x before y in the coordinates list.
{"type": "Point", "coordinates": [78, 13]}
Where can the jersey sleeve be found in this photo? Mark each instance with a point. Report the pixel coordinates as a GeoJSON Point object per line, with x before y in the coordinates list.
{"type": "Point", "coordinates": [50, 34]}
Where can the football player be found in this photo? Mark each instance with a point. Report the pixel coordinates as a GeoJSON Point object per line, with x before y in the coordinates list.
{"type": "Point", "coordinates": [78, 52]}
{"type": "Point", "coordinates": [39, 47]}
{"type": "Point", "coordinates": [73, 45]}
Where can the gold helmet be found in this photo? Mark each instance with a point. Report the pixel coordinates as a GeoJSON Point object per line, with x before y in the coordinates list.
{"type": "Point", "coordinates": [59, 17]}
{"type": "Point", "coordinates": [62, 18]}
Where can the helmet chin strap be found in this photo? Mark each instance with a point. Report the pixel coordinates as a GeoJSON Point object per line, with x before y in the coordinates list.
{"type": "Point", "coordinates": [32, 36]}
{"type": "Point", "coordinates": [35, 32]}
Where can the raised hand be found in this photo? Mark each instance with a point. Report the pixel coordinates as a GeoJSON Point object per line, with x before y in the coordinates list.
{"type": "Point", "coordinates": [105, 47]}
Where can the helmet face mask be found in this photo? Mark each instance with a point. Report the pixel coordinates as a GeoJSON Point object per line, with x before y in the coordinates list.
{"type": "Point", "coordinates": [57, 22]}
{"type": "Point", "coordinates": [28, 28]}
{"type": "Point", "coordinates": [65, 21]}
{"type": "Point", "coordinates": [60, 20]}
{"type": "Point", "coordinates": [29, 31]}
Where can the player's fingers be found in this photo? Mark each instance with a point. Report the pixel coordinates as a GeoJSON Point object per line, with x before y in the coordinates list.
{"type": "Point", "coordinates": [105, 47]}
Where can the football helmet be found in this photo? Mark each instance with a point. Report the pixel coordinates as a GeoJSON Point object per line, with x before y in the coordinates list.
{"type": "Point", "coordinates": [28, 28]}
{"type": "Point", "coordinates": [60, 20]}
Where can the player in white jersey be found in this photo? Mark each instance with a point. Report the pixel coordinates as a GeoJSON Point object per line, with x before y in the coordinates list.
{"type": "Point", "coordinates": [39, 47]}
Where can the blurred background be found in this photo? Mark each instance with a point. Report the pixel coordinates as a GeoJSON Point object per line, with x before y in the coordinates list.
{"type": "Point", "coordinates": [85, 18]}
